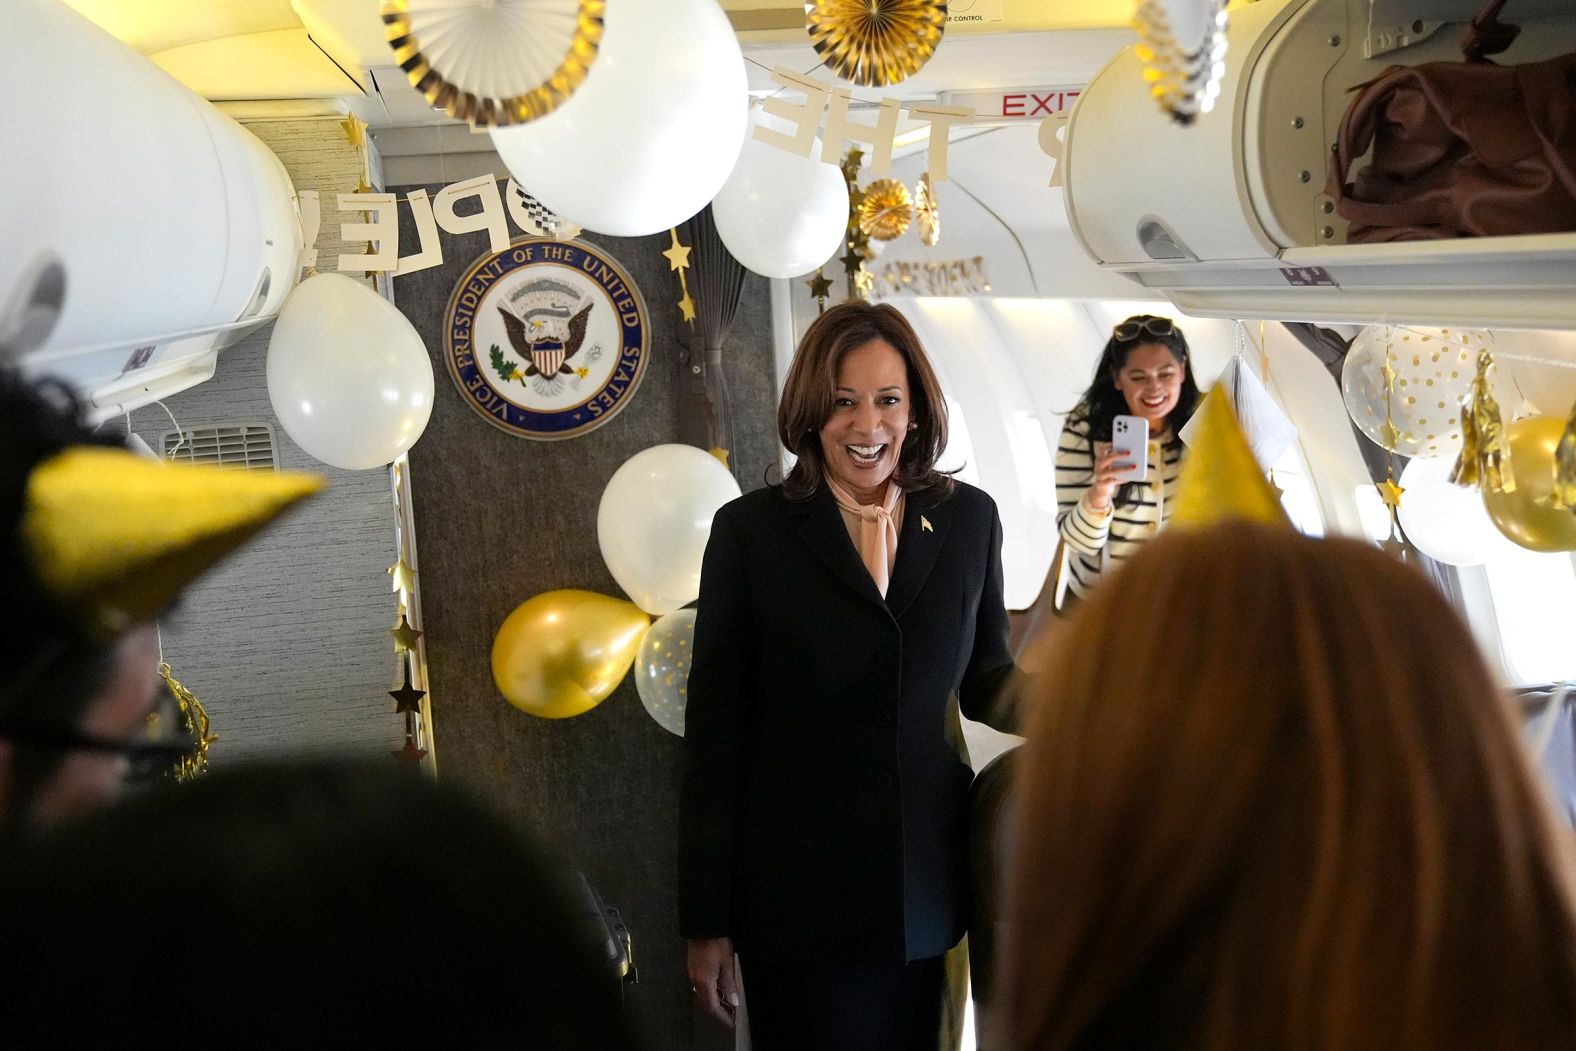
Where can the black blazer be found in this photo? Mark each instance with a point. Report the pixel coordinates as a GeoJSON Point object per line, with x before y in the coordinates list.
{"type": "Point", "coordinates": [824, 812]}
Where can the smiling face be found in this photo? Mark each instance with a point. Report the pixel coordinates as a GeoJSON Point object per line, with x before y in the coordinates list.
{"type": "Point", "coordinates": [1151, 382]}
{"type": "Point", "coordinates": [863, 438]}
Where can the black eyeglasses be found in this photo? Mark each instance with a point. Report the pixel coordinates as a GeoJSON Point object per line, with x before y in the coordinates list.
{"type": "Point", "coordinates": [145, 760]}
{"type": "Point", "coordinates": [1133, 327]}
{"type": "Point", "coordinates": [159, 749]}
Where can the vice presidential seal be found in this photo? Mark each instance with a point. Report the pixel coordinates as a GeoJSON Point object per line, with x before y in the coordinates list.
{"type": "Point", "coordinates": [546, 339]}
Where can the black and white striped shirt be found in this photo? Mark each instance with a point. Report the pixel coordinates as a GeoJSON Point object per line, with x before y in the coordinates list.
{"type": "Point", "coordinates": [1097, 538]}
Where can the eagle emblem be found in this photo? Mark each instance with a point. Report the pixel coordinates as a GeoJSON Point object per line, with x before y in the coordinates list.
{"type": "Point", "coordinates": [545, 321]}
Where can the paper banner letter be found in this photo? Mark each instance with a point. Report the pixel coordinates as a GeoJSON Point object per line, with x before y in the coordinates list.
{"type": "Point", "coordinates": [382, 231]}
{"type": "Point", "coordinates": [839, 129]}
{"type": "Point", "coordinates": [1053, 138]}
{"type": "Point", "coordinates": [490, 218]}
{"type": "Point", "coordinates": [804, 116]}
{"type": "Point", "coordinates": [430, 251]}
{"type": "Point", "coordinates": [941, 119]}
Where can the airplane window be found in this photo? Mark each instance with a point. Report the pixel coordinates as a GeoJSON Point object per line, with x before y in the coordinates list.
{"type": "Point", "coordinates": [1534, 596]}
{"type": "Point", "coordinates": [1373, 512]}
{"type": "Point", "coordinates": [1298, 496]}
{"type": "Point", "coordinates": [959, 456]}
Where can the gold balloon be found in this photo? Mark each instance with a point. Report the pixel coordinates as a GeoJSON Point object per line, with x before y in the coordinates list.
{"type": "Point", "coordinates": [562, 653]}
{"type": "Point", "coordinates": [1528, 515]}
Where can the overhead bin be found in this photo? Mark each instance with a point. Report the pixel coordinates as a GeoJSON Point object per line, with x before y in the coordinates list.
{"type": "Point", "coordinates": [1228, 217]}
{"type": "Point", "coordinates": [171, 221]}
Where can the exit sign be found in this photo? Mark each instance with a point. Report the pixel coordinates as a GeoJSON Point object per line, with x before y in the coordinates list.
{"type": "Point", "coordinates": [1014, 103]}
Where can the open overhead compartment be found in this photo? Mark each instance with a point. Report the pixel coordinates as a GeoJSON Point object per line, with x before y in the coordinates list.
{"type": "Point", "coordinates": [1229, 217]}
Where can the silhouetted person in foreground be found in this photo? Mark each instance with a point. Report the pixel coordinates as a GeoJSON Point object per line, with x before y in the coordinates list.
{"type": "Point", "coordinates": [279, 903]}
{"type": "Point", "coordinates": [1271, 798]}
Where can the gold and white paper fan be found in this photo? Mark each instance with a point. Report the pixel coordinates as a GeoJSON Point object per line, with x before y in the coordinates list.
{"type": "Point", "coordinates": [1182, 44]}
{"type": "Point", "coordinates": [926, 212]}
{"type": "Point", "coordinates": [875, 43]}
{"type": "Point", "coordinates": [885, 210]}
{"type": "Point", "coordinates": [494, 62]}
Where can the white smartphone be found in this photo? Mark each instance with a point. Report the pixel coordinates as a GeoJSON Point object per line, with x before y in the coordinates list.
{"type": "Point", "coordinates": [1130, 437]}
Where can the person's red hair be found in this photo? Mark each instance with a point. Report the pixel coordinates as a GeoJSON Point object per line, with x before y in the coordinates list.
{"type": "Point", "coordinates": [1271, 798]}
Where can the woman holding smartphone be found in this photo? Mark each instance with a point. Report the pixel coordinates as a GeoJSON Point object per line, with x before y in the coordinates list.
{"type": "Point", "coordinates": [1113, 497]}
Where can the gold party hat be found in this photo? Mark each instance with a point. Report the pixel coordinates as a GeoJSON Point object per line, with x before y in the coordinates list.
{"type": "Point", "coordinates": [1221, 479]}
{"type": "Point", "coordinates": [115, 537]}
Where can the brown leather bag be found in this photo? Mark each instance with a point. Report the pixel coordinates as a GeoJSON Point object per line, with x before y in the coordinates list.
{"type": "Point", "coordinates": [1461, 149]}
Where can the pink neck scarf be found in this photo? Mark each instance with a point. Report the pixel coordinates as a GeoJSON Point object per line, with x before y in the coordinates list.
{"type": "Point", "coordinates": [876, 538]}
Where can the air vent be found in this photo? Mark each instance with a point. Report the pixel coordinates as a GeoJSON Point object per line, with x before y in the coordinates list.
{"type": "Point", "coordinates": [249, 445]}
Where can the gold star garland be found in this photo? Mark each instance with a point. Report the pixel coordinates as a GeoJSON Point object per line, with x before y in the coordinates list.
{"type": "Point", "coordinates": [1389, 491]}
{"type": "Point", "coordinates": [678, 259]}
{"type": "Point", "coordinates": [355, 131]}
{"type": "Point", "coordinates": [820, 288]}
{"type": "Point", "coordinates": [856, 240]}
{"type": "Point", "coordinates": [409, 699]}
{"type": "Point", "coordinates": [405, 636]}
{"type": "Point", "coordinates": [403, 577]}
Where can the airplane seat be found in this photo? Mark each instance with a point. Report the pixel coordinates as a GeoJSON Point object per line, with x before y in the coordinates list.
{"type": "Point", "coordinates": [1549, 711]}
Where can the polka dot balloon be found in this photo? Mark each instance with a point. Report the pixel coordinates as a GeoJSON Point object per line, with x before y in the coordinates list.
{"type": "Point", "coordinates": [662, 669]}
{"type": "Point", "coordinates": [1423, 375]}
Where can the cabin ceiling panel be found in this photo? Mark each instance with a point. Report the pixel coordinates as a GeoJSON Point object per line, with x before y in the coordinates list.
{"type": "Point", "coordinates": [282, 64]}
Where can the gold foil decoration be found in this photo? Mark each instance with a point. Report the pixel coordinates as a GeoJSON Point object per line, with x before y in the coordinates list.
{"type": "Point", "coordinates": [886, 210]}
{"type": "Point", "coordinates": [1221, 479]}
{"type": "Point", "coordinates": [195, 718]}
{"type": "Point", "coordinates": [1486, 458]}
{"type": "Point", "coordinates": [116, 536]}
{"type": "Point", "coordinates": [493, 63]}
{"type": "Point", "coordinates": [1183, 72]}
{"type": "Point", "coordinates": [926, 212]}
{"type": "Point", "coordinates": [1565, 467]}
{"type": "Point", "coordinates": [875, 43]}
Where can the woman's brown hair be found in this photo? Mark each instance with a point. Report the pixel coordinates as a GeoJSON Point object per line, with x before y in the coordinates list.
{"type": "Point", "coordinates": [811, 387]}
{"type": "Point", "coordinates": [1271, 798]}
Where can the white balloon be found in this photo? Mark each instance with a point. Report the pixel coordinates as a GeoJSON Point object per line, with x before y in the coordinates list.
{"type": "Point", "coordinates": [662, 669]}
{"type": "Point", "coordinates": [655, 519]}
{"type": "Point", "coordinates": [781, 215]}
{"type": "Point", "coordinates": [1550, 389]}
{"type": "Point", "coordinates": [1446, 522]}
{"type": "Point", "coordinates": [348, 376]}
{"type": "Point", "coordinates": [653, 132]}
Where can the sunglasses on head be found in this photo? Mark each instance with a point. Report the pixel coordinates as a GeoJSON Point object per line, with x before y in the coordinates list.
{"type": "Point", "coordinates": [1134, 327]}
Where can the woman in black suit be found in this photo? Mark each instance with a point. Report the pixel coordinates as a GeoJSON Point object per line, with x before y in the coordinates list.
{"type": "Point", "coordinates": [824, 809]}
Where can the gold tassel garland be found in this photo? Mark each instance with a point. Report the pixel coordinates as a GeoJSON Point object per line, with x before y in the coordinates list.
{"type": "Point", "coordinates": [195, 717]}
{"type": "Point", "coordinates": [1565, 467]}
{"type": "Point", "coordinates": [1485, 455]}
